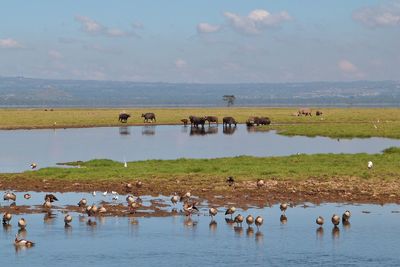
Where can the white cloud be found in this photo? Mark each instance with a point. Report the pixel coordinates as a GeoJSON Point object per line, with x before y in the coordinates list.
{"type": "Point", "coordinates": [256, 21]}
{"type": "Point", "coordinates": [180, 63]}
{"type": "Point", "coordinates": [93, 27]}
{"type": "Point", "coordinates": [349, 69]}
{"type": "Point", "coordinates": [54, 54]}
{"type": "Point", "coordinates": [9, 43]}
{"type": "Point", "coordinates": [378, 16]}
{"type": "Point", "coordinates": [207, 28]}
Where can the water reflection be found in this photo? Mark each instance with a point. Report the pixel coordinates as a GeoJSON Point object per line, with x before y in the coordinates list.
{"type": "Point", "coordinates": [320, 232]}
{"type": "Point", "coordinates": [213, 226]}
{"type": "Point", "coordinates": [335, 232]}
{"type": "Point", "coordinates": [124, 130]}
{"type": "Point", "coordinates": [250, 231]}
{"type": "Point", "coordinates": [259, 237]}
{"type": "Point", "coordinates": [203, 130]}
{"type": "Point", "coordinates": [238, 230]}
{"type": "Point", "coordinates": [229, 129]}
{"type": "Point", "coordinates": [346, 225]}
{"type": "Point", "coordinates": [149, 130]}
{"type": "Point", "coordinates": [256, 129]}
{"type": "Point", "coordinates": [283, 219]}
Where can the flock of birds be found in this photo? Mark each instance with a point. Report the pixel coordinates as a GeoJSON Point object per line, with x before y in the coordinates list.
{"type": "Point", "coordinates": [189, 208]}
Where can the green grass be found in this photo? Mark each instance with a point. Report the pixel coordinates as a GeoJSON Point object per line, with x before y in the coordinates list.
{"type": "Point", "coordinates": [336, 122]}
{"type": "Point", "coordinates": [297, 167]}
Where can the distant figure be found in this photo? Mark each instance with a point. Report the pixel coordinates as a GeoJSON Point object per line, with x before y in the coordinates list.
{"type": "Point", "coordinates": [123, 117]}
{"type": "Point", "coordinates": [149, 117]}
{"type": "Point", "coordinates": [370, 165]}
{"type": "Point", "coordinates": [305, 112]}
{"type": "Point", "coordinates": [33, 166]}
{"type": "Point", "coordinates": [184, 121]}
{"type": "Point", "coordinates": [318, 113]}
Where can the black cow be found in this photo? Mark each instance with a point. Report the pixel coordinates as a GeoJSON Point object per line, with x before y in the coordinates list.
{"type": "Point", "coordinates": [149, 117]}
{"type": "Point", "coordinates": [123, 117]}
{"type": "Point", "coordinates": [196, 121]}
{"type": "Point", "coordinates": [228, 121]}
{"type": "Point", "coordinates": [211, 119]}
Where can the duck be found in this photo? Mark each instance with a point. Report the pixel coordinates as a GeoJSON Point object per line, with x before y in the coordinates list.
{"type": "Point", "coordinates": [320, 220]}
{"type": "Point", "coordinates": [239, 219]}
{"type": "Point", "coordinates": [23, 242]}
{"type": "Point", "coordinates": [230, 210]}
{"type": "Point", "coordinates": [283, 207]}
{"type": "Point", "coordinates": [260, 183]}
{"type": "Point", "coordinates": [212, 212]}
{"type": "Point", "coordinates": [67, 219]}
{"type": "Point", "coordinates": [346, 216]}
{"type": "Point", "coordinates": [27, 196]}
{"type": "Point", "coordinates": [22, 223]}
{"type": "Point", "coordinates": [335, 219]}
{"type": "Point", "coordinates": [134, 206]}
{"type": "Point", "coordinates": [50, 197]}
{"type": "Point", "coordinates": [259, 221]}
{"type": "Point", "coordinates": [7, 218]}
{"type": "Point", "coordinates": [91, 210]}
{"type": "Point", "coordinates": [190, 208]}
{"type": "Point", "coordinates": [185, 197]}
{"type": "Point", "coordinates": [82, 203]}
{"type": "Point", "coordinates": [10, 196]}
{"type": "Point", "coordinates": [130, 199]}
{"type": "Point", "coordinates": [47, 204]}
{"type": "Point", "coordinates": [33, 165]}
{"type": "Point", "coordinates": [174, 199]}
{"type": "Point", "coordinates": [249, 220]}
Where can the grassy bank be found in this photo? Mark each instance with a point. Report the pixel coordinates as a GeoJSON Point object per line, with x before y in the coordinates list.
{"type": "Point", "coordinates": [344, 122]}
{"type": "Point", "coordinates": [244, 168]}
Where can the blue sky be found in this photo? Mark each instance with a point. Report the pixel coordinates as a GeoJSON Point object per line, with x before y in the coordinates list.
{"type": "Point", "coordinates": [201, 41]}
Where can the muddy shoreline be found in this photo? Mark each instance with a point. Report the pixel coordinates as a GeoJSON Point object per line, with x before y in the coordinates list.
{"type": "Point", "coordinates": [219, 194]}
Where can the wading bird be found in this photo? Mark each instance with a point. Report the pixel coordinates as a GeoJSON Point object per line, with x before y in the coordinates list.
{"type": "Point", "coordinates": [7, 218]}
{"type": "Point", "coordinates": [22, 242]}
{"type": "Point", "coordinates": [67, 219]}
{"type": "Point", "coordinates": [259, 221]}
{"type": "Point", "coordinates": [249, 220]}
{"type": "Point", "coordinates": [213, 212]}
{"type": "Point", "coordinates": [335, 219]}
{"type": "Point", "coordinates": [320, 220]}
{"type": "Point", "coordinates": [231, 211]}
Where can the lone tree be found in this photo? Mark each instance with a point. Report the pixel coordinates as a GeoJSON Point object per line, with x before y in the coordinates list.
{"type": "Point", "coordinates": [230, 99]}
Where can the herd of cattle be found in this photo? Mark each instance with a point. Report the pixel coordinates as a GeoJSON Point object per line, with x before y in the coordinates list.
{"type": "Point", "coordinates": [196, 121]}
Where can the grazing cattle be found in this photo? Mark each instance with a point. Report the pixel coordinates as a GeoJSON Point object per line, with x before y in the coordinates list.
{"type": "Point", "coordinates": [149, 117]}
{"type": "Point", "coordinates": [123, 117]}
{"type": "Point", "coordinates": [228, 121]}
{"type": "Point", "coordinates": [211, 119]}
{"type": "Point", "coordinates": [196, 121]}
{"type": "Point", "coordinates": [262, 121]}
{"type": "Point", "coordinates": [185, 121]}
{"type": "Point", "coordinates": [318, 113]}
{"type": "Point", "coordinates": [305, 111]}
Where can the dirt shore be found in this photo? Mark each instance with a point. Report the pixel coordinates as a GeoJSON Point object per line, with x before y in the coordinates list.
{"type": "Point", "coordinates": [219, 194]}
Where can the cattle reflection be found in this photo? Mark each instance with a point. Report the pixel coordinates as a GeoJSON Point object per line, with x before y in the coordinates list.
{"type": "Point", "coordinates": [149, 130]}
{"type": "Point", "coordinates": [203, 130]}
{"type": "Point", "coordinates": [124, 130]}
{"type": "Point", "coordinates": [256, 129]}
{"type": "Point", "coordinates": [229, 129]}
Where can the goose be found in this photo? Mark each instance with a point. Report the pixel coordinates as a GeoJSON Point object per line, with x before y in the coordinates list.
{"type": "Point", "coordinates": [239, 220]}
{"type": "Point", "coordinates": [190, 208]}
{"type": "Point", "coordinates": [174, 199]}
{"type": "Point", "coordinates": [335, 219]}
{"type": "Point", "coordinates": [47, 204]}
{"type": "Point", "coordinates": [320, 220]}
{"type": "Point", "coordinates": [50, 197]}
{"type": "Point", "coordinates": [370, 165]}
{"type": "Point", "coordinates": [22, 242]}
{"type": "Point", "coordinates": [10, 196]}
{"type": "Point", "coordinates": [130, 199]}
{"type": "Point", "coordinates": [260, 183]}
{"type": "Point", "coordinates": [128, 186]}
{"type": "Point", "coordinates": [283, 207]}
{"type": "Point", "coordinates": [33, 165]}
{"type": "Point", "coordinates": [230, 210]}
{"type": "Point", "coordinates": [22, 223]}
{"type": "Point", "coordinates": [346, 216]}
{"type": "Point", "coordinates": [259, 221]}
{"type": "Point", "coordinates": [249, 220]}
{"type": "Point", "coordinates": [82, 203]}
{"type": "Point", "coordinates": [27, 196]}
{"type": "Point", "coordinates": [213, 212]}
{"type": "Point", "coordinates": [133, 206]}
{"type": "Point", "coordinates": [230, 180]}
{"type": "Point", "coordinates": [185, 197]}
{"type": "Point", "coordinates": [6, 218]}
{"type": "Point", "coordinates": [67, 219]}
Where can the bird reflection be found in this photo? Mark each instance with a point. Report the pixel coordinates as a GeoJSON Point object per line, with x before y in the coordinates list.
{"type": "Point", "coordinates": [213, 226]}
{"type": "Point", "coordinates": [346, 225]}
{"type": "Point", "coordinates": [229, 221]}
{"type": "Point", "coordinates": [250, 231]}
{"type": "Point", "coordinates": [238, 230]}
{"type": "Point", "coordinates": [189, 222]}
{"type": "Point", "coordinates": [6, 228]}
{"type": "Point", "coordinates": [49, 217]}
{"type": "Point", "coordinates": [22, 233]}
{"type": "Point", "coordinates": [335, 232]}
{"type": "Point", "coordinates": [283, 219]}
{"type": "Point", "coordinates": [259, 237]}
{"type": "Point", "coordinates": [320, 232]}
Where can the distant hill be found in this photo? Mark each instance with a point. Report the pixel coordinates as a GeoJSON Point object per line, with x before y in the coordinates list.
{"type": "Point", "coordinates": [26, 92]}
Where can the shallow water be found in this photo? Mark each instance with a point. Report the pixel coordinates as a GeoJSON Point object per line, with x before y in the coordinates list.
{"type": "Point", "coordinates": [19, 148]}
{"type": "Point", "coordinates": [370, 240]}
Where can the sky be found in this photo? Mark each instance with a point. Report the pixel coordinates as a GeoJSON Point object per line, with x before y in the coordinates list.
{"type": "Point", "coordinates": [206, 41]}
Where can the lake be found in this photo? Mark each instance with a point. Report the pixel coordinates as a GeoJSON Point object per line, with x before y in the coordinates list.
{"type": "Point", "coordinates": [19, 148]}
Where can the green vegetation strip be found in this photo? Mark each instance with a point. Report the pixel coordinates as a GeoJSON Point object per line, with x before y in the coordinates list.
{"type": "Point", "coordinates": [243, 168]}
{"type": "Point", "coordinates": [335, 122]}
